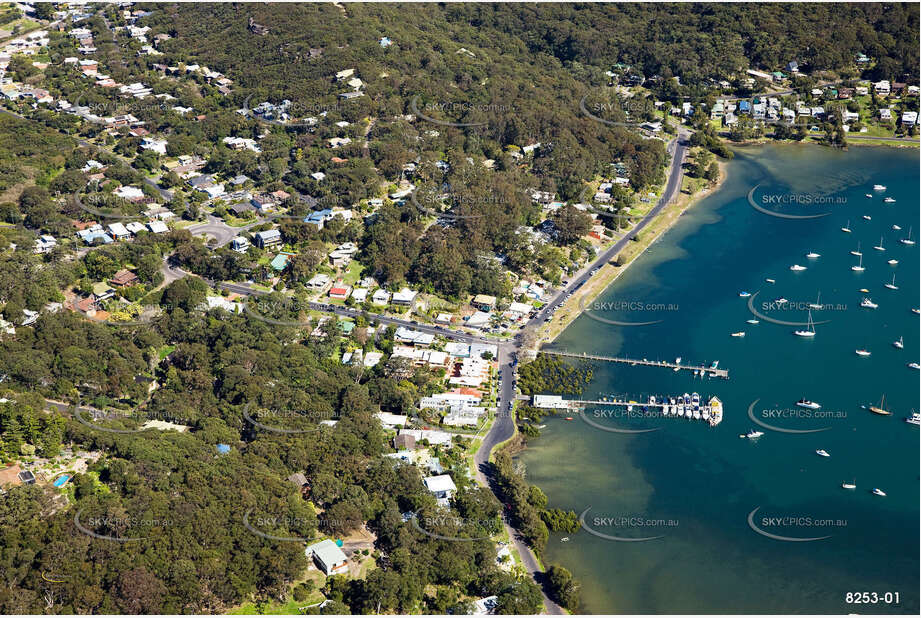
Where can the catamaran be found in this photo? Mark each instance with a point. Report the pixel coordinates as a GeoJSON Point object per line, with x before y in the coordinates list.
{"type": "Point", "coordinates": [810, 328]}
{"type": "Point", "coordinates": [907, 241]}
{"type": "Point", "coordinates": [858, 267]}
{"type": "Point", "coordinates": [880, 246]}
{"type": "Point", "coordinates": [892, 286]}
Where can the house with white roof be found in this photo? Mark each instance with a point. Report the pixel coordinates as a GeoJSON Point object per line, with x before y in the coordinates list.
{"type": "Point", "coordinates": [441, 486]}
{"type": "Point", "coordinates": [328, 557]}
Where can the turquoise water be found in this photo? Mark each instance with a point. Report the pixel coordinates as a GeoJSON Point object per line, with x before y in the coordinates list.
{"type": "Point", "coordinates": [698, 484]}
{"type": "Point", "coordinates": [61, 480]}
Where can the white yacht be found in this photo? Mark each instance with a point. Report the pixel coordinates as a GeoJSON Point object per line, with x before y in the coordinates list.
{"type": "Point", "coordinates": [889, 200]}
{"type": "Point", "coordinates": [879, 187]}
{"type": "Point", "coordinates": [753, 321]}
{"type": "Point", "coordinates": [797, 268]}
{"type": "Point", "coordinates": [893, 262]}
{"type": "Point", "coordinates": [822, 452]}
{"type": "Point", "coordinates": [851, 485]}
{"type": "Point", "coordinates": [914, 419]}
{"type": "Point", "coordinates": [897, 227]}
{"type": "Point", "coordinates": [805, 403]}
{"type": "Point", "coordinates": [868, 217]}
{"type": "Point", "coordinates": [862, 352]}
{"type": "Point", "coordinates": [914, 366]}
{"type": "Point", "coordinates": [770, 281]}
{"type": "Point", "coordinates": [741, 333]}
{"type": "Point", "coordinates": [879, 492]}
{"type": "Point", "coordinates": [857, 250]}
{"type": "Point", "coordinates": [858, 267]}
{"type": "Point", "coordinates": [866, 303]}
{"type": "Point", "coordinates": [745, 294]}
{"type": "Point", "coordinates": [907, 241]}
{"type": "Point", "coordinates": [892, 286]}
{"type": "Point", "coordinates": [880, 246]}
{"type": "Point", "coordinates": [812, 255]}
{"type": "Point", "coordinates": [810, 328]}
{"type": "Point", "coordinates": [781, 300]}
{"type": "Point", "coordinates": [900, 344]}
{"type": "Point", "coordinates": [868, 194]}
{"type": "Point", "coordinates": [847, 227]}
{"type": "Point", "coordinates": [752, 434]}
{"type": "Point", "coordinates": [816, 304]}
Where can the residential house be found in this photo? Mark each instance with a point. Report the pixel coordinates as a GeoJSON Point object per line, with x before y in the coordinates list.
{"type": "Point", "coordinates": [157, 227]}
{"type": "Point", "coordinates": [484, 302]}
{"type": "Point", "coordinates": [240, 244]}
{"type": "Point", "coordinates": [340, 291]}
{"type": "Point", "coordinates": [909, 119]}
{"type": "Point", "coordinates": [119, 231]}
{"type": "Point", "coordinates": [318, 282]}
{"type": "Point", "coordinates": [882, 88]}
{"type": "Point", "coordinates": [45, 243]}
{"type": "Point", "coordinates": [380, 297]}
{"type": "Point", "coordinates": [268, 238]}
{"type": "Point", "coordinates": [404, 298]}
{"type": "Point", "coordinates": [885, 114]}
{"type": "Point", "coordinates": [328, 557]}
{"type": "Point", "coordinates": [442, 487]}
{"type": "Point", "coordinates": [123, 278]}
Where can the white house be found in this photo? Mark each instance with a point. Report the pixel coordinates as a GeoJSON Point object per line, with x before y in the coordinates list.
{"type": "Point", "coordinates": [882, 88]}
{"type": "Point", "coordinates": [441, 486]}
{"type": "Point", "coordinates": [328, 557]}
{"type": "Point", "coordinates": [909, 119]}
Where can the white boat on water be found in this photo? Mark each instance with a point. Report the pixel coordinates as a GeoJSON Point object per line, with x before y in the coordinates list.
{"type": "Point", "coordinates": [858, 267]}
{"type": "Point", "coordinates": [753, 321]}
{"type": "Point", "coordinates": [879, 492]}
{"type": "Point", "coordinates": [893, 262]}
{"type": "Point", "coordinates": [716, 411]}
{"type": "Point", "coordinates": [862, 352]}
{"type": "Point", "coordinates": [880, 246]}
{"type": "Point", "coordinates": [805, 403]}
{"type": "Point", "coordinates": [812, 255]}
{"type": "Point", "coordinates": [822, 452]}
{"type": "Point", "coordinates": [914, 419]}
{"type": "Point", "coordinates": [810, 328]}
{"type": "Point", "coordinates": [892, 286]}
{"type": "Point", "coordinates": [867, 217]}
{"type": "Point", "coordinates": [907, 241]}
{"type": "Point", "coordinates": [797, 268]}
{"type": "Point", "coordinates": [847, 227]}
{"type": "Point", "coordinates": [879, 187]}
{"type": "Point", "coordinates": [745, 294]}
{"type": "Point", "coordinates": [752, 434]}
{"type": "Point", "coordinates": [816, 304]}
{"type": "Point", "coordinates": [851, 485]}
{"type": "Point", "coordinates": [914, 366]}
{"type": "Point", "coordinates": [889, 200]}
{"type": "Point", "coordinates": [866, 303]}
{"type": "Point", "coordinates": [900, 344]}
{"type": "Point", "coordinates": [681, 411]}
{"type": "Point", "coordinates": [697, 414]}
{"type": "Point", "coordinates": [857, 250]}
{"type": "Point", "coordinates": [897, 227]}
{"type": "Point", "coordinates": [770, 281]}
{"type": "Point", "coordinates": [781, 300]}
{"type": "Point", "coordinates": [741, 333]}
{"type": "Point", "coordinates": [868, 194]}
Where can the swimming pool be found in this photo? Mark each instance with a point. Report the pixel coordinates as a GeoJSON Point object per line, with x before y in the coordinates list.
{"type": "Point", "coordinates": [61, 480]}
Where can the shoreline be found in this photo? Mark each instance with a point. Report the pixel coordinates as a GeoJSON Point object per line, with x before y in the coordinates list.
{"type": "Point", "coordinates": [608, 274]}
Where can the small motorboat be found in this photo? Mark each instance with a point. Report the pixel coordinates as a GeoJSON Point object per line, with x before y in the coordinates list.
{"type": "Point", "coordinates": [805, 403]}
{"type": "Point", "coordinates": [797, 268]}
{"type": "Point", "coordinates": [822, 452]}
{"type": "Point", "coordinates": [745, 294]}
{"type": "Point", "coordinates": [879, 492]}
{"type": "Point", "coordinates": [867, 217]}
{"type": "Point", "coordinates": [770, 281]}
{"type": "Point", "coordinates": [753, 321]}
{"type": "Point", "coordinates": [752, 434]}
{"type": "Point", "coordinates": [812, 255]}
{"type": "Point", "coordinates": [879, 187]}
{"type": "Point", "coordinates": [741, 333]}
{"type": "Point", "coordinates": [862, 352]}
{"type": "Point", "coordinates": [866, 303]}
{"type": "Point", "coordinates": [851, 485]}
{"type": "Point", "coordinates": [893, 262]}
{"type": "Point", "coordinates": [889, 200]}
{"type": "Point", "coordinates": [900, 344]}
{"type": "Point", "coordinates": [897, 227]}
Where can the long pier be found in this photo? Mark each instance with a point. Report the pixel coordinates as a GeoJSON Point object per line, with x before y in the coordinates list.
{"type": "Point", "coordinates": [704, 369]}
